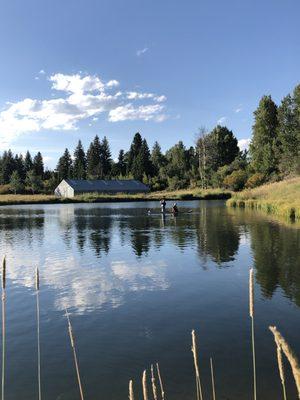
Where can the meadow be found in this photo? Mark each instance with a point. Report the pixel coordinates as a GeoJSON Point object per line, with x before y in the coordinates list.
{"type": "Point", "coordinates": [279, 198]}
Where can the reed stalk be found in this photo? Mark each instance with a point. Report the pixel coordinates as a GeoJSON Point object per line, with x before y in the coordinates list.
{"type": "Point", "coordinates": [154, 389]}
{"type": "Point", "coordinates": [294, 363]}
{"type": "Point", "coordinates": [251, 313]}
{"type": "Point", "coordinates": [3, 327]}
{"type": "Point", "coordinates": [37, 289]}
{"type": "Point", "coordinates": [281, 368]}
{"type": "Point", "coordinates": [212, 378]}
{"type": "Point", "coordinates": [131, 395]}
{"type": "Point", "coordinates": [160, 382]}
{"type": "Point", "coordinates": [75, 355]}
{"type": "Point", "coordinates": [144, 382]}
{"type": "Point", "coordinates": [197, 373]}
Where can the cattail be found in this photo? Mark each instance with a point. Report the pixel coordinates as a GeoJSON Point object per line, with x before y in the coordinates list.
{"type": "Point", "coordinates": [3, 327]}
{"type": "Point", "coordinates": [131, 395]}
{"type": "Point", "coordinates": [280, 341]}
{"type": "Point", "coordinates": [160, 382]}
{"type": "Point", "coordinates": [195, 356]}
{"type": "Point", "coordinates": [3, 273]}
{"type": "Point", "coordinates": [251, 294]}
{"type": "Point", "coordinates": [251, 313]}
{"type": "Point", "coordinates": [144, 381]}
{"type": "Point", "coordinates": [37, 287]}
{"type": "Point", "coordinates": [154, 390]}
{"type": "Point", "coordinates": [37, 279]}
{"type": "Point", "coordinates": [212, 379]}
{"type": "Point", "coordinates": [75, 355]}
{"type": "Point", "coordinates": [281, 368]}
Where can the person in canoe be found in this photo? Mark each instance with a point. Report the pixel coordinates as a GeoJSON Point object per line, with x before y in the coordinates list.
{"type": "Point", "coordinates": [175, 210]}
{"type": "Point", "coordinates": [163, 205]}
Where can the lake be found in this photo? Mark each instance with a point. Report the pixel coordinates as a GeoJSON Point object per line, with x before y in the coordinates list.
{"type": "Point", "coordinates": [135, 286]}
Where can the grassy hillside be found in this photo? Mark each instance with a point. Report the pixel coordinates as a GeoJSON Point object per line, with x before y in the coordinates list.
{"type": "Point", "coordinates": [281, 198]}
{"type": "Point", "coordinates": [186, 194]}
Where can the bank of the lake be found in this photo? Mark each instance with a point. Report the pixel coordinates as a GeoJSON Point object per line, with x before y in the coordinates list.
{"type": "Point", "coordinates": [184, 194]}
{"type": "Point", "coordinates": [280, 198]}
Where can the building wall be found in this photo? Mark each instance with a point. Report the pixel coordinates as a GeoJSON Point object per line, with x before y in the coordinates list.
{"type": "Point", "coordinates": [64, 190]}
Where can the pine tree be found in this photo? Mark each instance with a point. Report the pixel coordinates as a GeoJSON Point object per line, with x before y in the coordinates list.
{"type": "Point", "coordinates": [64, 166]}
{"type": "Point", "coordinates": [20, 167]}
{"type": "Point", "coordinates": [226, 146]}
{"type": "Point", "coordinates": [134, 151]}
{"type": "Point", "coordinates": [7, 167]}
{"type": "Point", "coordinates": [94, 170]}
{"type": "Point", "coordinates": [264, 145]}
{"type": "Point", "coordinates": [105, 159]}
{"type": "Point", "coordinates": [28, 164]}
{"type": "Point", "coordinates": [38, 165]}
{"type": "Point", "coordinates": [157, 158]}
{"type": "Point", "coordinates": [121, 164]}
{"type": "Point", "coordinates": [289, 135]}
{"type": "Point", "coordinates": [33, 181]}
{"type": "Point", "coordinates": [146, 159]}
{"type": "Point", "coordinates": [16, 184]}
{"type": "Point", "coordinates": [79, 165]}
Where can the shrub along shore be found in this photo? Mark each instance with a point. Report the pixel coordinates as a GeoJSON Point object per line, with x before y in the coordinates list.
{"type": "Point", "coordinates": [280, 198]}
{"type": "Point", "coordinates": [184, 194]}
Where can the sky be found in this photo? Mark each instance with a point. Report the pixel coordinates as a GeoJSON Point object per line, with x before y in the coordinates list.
{"type": "Point", "coordinates": [72, 69]}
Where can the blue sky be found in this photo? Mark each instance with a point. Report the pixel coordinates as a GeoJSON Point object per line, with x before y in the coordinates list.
{"type": "Point", "coordinates": [71, 69]}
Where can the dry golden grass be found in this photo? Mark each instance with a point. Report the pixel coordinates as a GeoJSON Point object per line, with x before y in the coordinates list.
{"type": "Point", "coordinates": [281, 198]}
{"type": "Point", "coordinates": [280, 341]}
{"type": "Point", "coordinates": [184, 194]}
{"type": "Point", "coordinates": [162, 392]}
{"type": "Point", "coordinates": [131, 395]}
{"type": "Point", "coordinates": [3, 327]}
{"type": "Point", "coordinates": [144, 383]}
{"type": "Point", "coordinates": [251, 313]}
{"type": "Point", "coordinates": [75, 355]}
{"type": "Point", "coordinates": [196, 366]}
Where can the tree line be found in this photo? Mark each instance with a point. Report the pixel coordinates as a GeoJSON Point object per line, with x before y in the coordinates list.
{"type": "Point", "coordinates": [214, 161]}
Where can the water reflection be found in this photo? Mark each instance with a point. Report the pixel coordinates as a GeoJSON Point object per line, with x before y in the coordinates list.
{"type": "Point", "coordinates": [95, 255]}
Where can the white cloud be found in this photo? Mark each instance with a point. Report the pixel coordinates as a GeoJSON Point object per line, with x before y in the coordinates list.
{"type": "Point", "coordinates": [42, 72]}
{"type": "Point", "coordinates": [239, 109]}
{"type": "Point", "coordinates": [112, 83]}
{"type": "Point", "coordinates": [81, 97]}
{"type": "Point", "coordinates": [222, 120]}
{"type": "Point", "coordinates": [142, 51]}
{"type": "Point", "coordinates": [244, 144]}
{"type": "Point", "coordinates": [145, 113]}
{"type": "Point", "coordinates": [141, 96]}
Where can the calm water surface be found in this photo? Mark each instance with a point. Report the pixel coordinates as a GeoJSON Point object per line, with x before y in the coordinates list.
{"type": "Point", "coordinates": [136, 285]}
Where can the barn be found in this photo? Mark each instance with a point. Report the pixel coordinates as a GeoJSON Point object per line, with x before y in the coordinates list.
{"type": "Point", "coordinates": [73, 187]}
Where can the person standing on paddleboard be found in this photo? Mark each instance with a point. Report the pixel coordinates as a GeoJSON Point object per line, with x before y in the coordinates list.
{"type": "Point", "coordinates": [163, 205]}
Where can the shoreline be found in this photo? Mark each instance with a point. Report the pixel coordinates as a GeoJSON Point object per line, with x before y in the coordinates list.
{"type": "Point", "coordinates": [10, 200]}
{"type": "Point", "coordinates": [280, 199]}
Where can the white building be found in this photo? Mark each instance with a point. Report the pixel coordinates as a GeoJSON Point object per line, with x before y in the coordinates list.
{"type": "Point", "coordinates": [72, 187]}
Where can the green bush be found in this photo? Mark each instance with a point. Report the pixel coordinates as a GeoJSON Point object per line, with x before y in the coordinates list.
{"type": "Point", "coordinates": [176, 183]}
{"type": "Point", "coordinates": [5, 189]}
{"type": "Point", "coordinates": [255, 180]}
{"type": "Point", "coordinates": [236, 180]}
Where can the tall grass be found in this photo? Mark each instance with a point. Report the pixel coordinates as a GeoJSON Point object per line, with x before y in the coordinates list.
{"type": "Point", "coordinates": [162, 392]}
{"type": "Point", "coordinates": [75, 355]}
{"type": "Point", "coordinates": [144, 384]}
{"type": "Point", "coordinates": [294, 363]}
{"type": "Point", "coordinates": [212, 378]}
{"type": "Point", "coordinates": [131, 394]}
{"type": "Point", "coordinates": [251, 313]}
{"type": "Point", "coordinates": [37, 289]}
{"type": "Point", "coordinates": [154, 388]}
{"type": "Point", "coordinates": [280, 198]}
{"type": "Point", "coordinates": [3, 327]}
{"type": "Point", "coordinates": [196, 366]}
